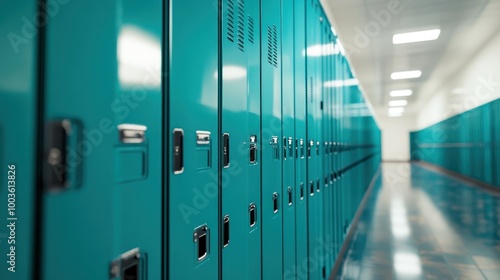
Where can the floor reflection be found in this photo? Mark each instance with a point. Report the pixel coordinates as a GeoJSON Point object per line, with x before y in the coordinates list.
{"type": "Point", "coordinates": [420, 224]}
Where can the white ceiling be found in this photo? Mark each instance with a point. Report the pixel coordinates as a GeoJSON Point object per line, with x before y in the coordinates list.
{"type": "Point", "coordinates": [466, 26]}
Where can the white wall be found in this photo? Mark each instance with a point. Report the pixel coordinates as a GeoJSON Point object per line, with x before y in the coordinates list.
{"type": "Point", "coordinates": [476, 84]}
{"type": "Point", "coordinates": [396, 138]}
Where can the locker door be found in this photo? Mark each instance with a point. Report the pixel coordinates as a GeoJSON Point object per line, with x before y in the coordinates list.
{"type": "Point", "coordinates": [82, 147]}
{"type": "Point", "coordinates": [18, 137]}
{"type": "Point", "coordinates": [288, 126]}
{"type": "Point", "coordinates": [337, 151]}
{"type": "Point", "coordinates": [193, 141]}
{"type": "Point", "coordinates": [254, 169]}
{"type": "Point", "coordinates": [300, 144]}
{"type": "Point", "coordinates": [80, 134]}
{"type": "Point", "coordinates": [138, 163]}
{"type": "Point", "coordinates": [240, 172]}
{"type": "Point", "coordinates": [272, 208]}
{"type": "Point", "coordinates": [313, 97]}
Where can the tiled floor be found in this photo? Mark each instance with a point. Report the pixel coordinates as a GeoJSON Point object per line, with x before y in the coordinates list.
{"type": "Point", "coordinates": [420, 224]}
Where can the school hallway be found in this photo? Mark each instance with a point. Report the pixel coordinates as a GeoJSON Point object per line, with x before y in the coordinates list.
{"type": "Point", "coordinates": [421, 224]}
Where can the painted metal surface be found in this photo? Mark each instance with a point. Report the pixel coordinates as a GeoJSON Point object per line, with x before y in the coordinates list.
{"type": "Point", "coordinates": [18, 126]}
{"type": "Point", "coordinates": [193, 190]}
{"type": "Point", "coordinates": [271, 154]}
{"type": "Point", "coordinates": [240, 120]}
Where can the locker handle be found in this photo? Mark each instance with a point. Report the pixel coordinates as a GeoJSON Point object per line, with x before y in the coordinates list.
{"type": "Point", "coordinates": [132, 133]}
{"type": "Point", "coordinates": [284, 148]}
{"type": "Point", "coordinates": [252, 211]}
{"type": "Point", "coordinates": [311, 186]}
{"type": "Point", "coordinates": [127, 265]}
{"type": "Point", "coordinates": [301, 191]}
{"type": "Point", "coordinates": [296, 148]}
{"type": "Point", "coordinates": [178, 152]}
{"type": "Point", "coordinates": [290, 196]}
{"type": "Point", "coordinates": [290, 146]}
{"type": "Point", "coordinates": [200, 238]}
{"type": "Point", "coordinates": [253, 149]}
{"type": "Point", "coordinates": [302, 148]}
{"type": "Point", "coordinates": [225, 150]}
{"type": "Point", "coordinates": [275, 202]}
{"type": "Point", "coordinates": [318, 189]}
{"type": "Point", "coordinates": [59, 135]}
{"type": "Point", "coordinates": [226, 231]}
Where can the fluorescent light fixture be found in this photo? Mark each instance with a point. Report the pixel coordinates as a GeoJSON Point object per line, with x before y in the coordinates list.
{"type": "Point", "coordinates": [396, 110]}
{"type": "Point", "coordinates": [342, 83]}
{"type": "Point", "coordinates": [414, 37]}
{"type": "Point", "coordinates": [401, 93]}
{"type": "Point", "coordinates": [398, 103]}
{"type": "Point", "coordinates": [406, 75]}
{"type": "Point", "coordinates": [395, 115]}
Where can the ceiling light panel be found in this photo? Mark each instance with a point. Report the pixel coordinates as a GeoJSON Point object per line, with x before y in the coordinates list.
{"type": "Point", "coordinates": [406, 75]}
{"type": "Point", "coordinates": [398, 103]}
{"type": "Point", "coordinates": [414, 37]}
{"type": "Point", "coordinates": [401, 93]}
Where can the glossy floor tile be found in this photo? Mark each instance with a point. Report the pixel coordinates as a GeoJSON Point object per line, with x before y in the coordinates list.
{"type": "Point", "coordinates": [421, 224]}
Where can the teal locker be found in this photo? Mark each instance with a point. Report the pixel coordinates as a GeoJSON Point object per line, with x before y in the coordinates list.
{"type": "Point", "coordinates": [18, 137]}
{"type": "Point", "coordinates": [241, 169]}
{"type": "Point", "coordinates": [301, 265]}
{"type": "Point", "coordinates": [288, 126]}
{"type": "Point", "coordinates": [80, 135]}
{"type": "Point", "coordinates": [254, 170]}
{"type": "Point", "coordinates": [138, 159]}
{"type": "Point", "coordinates": [271, 154]}
{"type": "Point", "coordinates": [337, 165]}
{"type": "Point", "coordinates": [193, 141]}
{"type": "Point", "coordinates": [312, 39]}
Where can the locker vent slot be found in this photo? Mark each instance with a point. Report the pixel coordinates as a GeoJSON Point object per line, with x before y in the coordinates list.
{"type": "Point", "coordinates": [272, 45]}
{"type": "Point", "coordinates": [251, 29]}
{"type": "Point", "coordinates": [241, 25]}
{"type": "Point", "coordinates": [230, 20]}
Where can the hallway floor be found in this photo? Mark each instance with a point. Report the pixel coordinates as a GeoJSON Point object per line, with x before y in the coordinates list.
{"type": "Point", "coordinates": [420, 224]}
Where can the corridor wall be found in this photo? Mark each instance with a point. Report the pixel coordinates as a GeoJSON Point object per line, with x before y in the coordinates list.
{"type": "Point", "coordinates": [467, 143]}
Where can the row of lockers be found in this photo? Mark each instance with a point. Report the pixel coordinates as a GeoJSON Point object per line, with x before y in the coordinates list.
{"type": "Point", "coordinates": [180, 140]}
{"type": "Point", "coordinates": [468, 143]}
